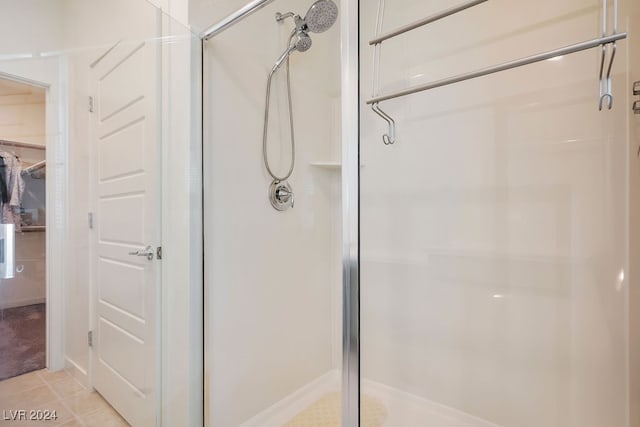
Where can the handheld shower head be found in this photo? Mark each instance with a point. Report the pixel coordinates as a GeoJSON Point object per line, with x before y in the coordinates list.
{"type": "Point", "coordinates": [321, 16]}
{"type": "Point", "coordinates": [302, 42]}
{"type": "Point", "coordinates": [299, 41]}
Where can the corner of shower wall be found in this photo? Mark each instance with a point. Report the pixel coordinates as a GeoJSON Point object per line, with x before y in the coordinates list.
{"type": "Point", "coordinates": [272, 278]}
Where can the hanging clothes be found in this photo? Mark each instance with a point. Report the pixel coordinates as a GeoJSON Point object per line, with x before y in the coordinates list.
{"type": "Point", "coordinates": [4, 193]}
{"type": "Point", "coordinates": [15, 190]}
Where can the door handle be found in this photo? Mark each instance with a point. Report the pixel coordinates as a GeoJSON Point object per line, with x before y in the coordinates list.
{"type": "Point", "coordinates": [148, 252]}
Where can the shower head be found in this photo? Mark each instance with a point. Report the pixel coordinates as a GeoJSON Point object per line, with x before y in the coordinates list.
{"type": "Point", "coordinates": [321, 16]}
{"type": "Point", "coordinates": [299, 41]}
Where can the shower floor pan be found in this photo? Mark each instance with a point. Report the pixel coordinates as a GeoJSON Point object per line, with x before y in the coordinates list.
{"type": "Point", "coordinates": [318, 404]}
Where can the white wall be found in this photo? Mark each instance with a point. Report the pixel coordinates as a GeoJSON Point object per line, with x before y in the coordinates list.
{"type": "Point", "coordinates": [494, 231]}
{"type": "Point", "coordinates": [270, 276]}
{"type": "Point", "coordinates": [177, 9]}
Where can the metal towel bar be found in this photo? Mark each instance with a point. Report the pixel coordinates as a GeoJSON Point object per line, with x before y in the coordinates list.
{"type": "Point", "coordinates": [501, 67]}
{"type": "Point", "coordinates": [604, 84]}
{"type": "Point", "coordinates": [425, 21]}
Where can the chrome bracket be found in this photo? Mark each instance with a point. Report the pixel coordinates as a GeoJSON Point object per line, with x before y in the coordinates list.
{"type": "Point", "coordinates": [605, 83]}
{"type": "Point", "coordinates": [390, 137]}
{"type": "Point", "coordinates": [281, 195]}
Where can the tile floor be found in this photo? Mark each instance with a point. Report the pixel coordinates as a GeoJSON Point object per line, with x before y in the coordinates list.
{"type": "Point", "coordinates": [55, 391]}
{"type": "Point", "coordinates": [325, 412]}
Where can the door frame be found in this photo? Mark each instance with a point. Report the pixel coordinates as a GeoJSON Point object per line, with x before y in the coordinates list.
{"type": "Point", "coordinates": [51, 74]}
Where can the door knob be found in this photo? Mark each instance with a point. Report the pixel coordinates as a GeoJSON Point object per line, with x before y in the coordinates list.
{"type": "Point", "coordinates": [147, 252]}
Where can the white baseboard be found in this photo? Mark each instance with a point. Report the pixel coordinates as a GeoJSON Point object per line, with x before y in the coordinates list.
{"type": "Point", "coordinates": [290, 406]}
{"type": "Point", "coordinates": [22, 303]}
{"type": "Point", "coordinates": [77, 372]}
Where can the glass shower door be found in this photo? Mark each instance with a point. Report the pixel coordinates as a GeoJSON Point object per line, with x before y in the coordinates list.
{"type": "Point", "coordinates": [494, 258]}
{"type": "Point", "coordinates": [273, 277]}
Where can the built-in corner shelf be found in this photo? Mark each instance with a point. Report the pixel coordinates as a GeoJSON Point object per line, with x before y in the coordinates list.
{"type": "Point", "coordinates": [328, 165]}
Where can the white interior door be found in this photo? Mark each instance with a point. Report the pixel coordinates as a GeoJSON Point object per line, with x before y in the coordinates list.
{"type": "Point", "coordinates": [125, 137]}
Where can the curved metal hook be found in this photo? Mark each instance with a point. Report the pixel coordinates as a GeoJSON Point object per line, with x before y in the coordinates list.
{"type": "Point", "coordinates": [614, 48]}
{"type": "Point", "coordinates": [387, 138]}
{"type": "Point", "coordinates": [609, 99]}
{"type": "Point", "coordinates": [601, 94]}
{"type": "Point", "coordinates": [606, 86]}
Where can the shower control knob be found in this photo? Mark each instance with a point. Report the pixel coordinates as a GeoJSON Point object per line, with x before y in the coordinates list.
{"type": "Point", "coordinates": [284, 195]}
{"type": "Point", "coordinates": [281, 196]}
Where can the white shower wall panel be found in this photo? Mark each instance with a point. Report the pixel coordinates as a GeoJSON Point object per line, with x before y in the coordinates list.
{"type": "Point", "coordinates": [270, 275]}
{"type": "Point", "coordinates": [494, 260]}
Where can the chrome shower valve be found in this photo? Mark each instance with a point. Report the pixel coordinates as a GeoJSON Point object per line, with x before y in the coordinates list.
{"type": "Point", "coordinates": [281, 195]}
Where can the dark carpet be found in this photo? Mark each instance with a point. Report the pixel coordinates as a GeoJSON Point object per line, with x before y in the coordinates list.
{"type": "Point", "coordinates": [22, 340]}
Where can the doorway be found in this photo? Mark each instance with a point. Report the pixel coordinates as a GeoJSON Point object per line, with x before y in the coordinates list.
{"type": "Point", "coordinates": [22, 228]}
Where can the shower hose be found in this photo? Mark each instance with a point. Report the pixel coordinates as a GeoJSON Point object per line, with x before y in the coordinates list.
{"type": "Point", "coordinates": [266, 122]}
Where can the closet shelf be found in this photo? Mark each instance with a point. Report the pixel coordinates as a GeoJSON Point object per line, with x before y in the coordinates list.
{"type": "Point", "coordinates": [32, 228]}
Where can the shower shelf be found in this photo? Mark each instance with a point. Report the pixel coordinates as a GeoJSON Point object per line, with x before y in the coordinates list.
{"type": "Point", "coordinates": [328, 165]}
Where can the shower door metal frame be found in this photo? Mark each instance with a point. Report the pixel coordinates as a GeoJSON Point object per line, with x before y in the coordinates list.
{"type": "Point", "coordinates": [350, 93]}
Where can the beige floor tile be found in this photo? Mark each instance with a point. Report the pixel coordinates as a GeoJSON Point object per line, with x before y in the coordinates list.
{"type": "Point", "coordinates": [72, 423]}
{"type": "Point", "coordinates": [28, 399]}
{"type": "Point", "coordinates": [62, 413]}
{"type": "Point", "coordinates": [56, 414]}
{"type": "Point", "coordinates": [19, 384]}
{"type": "Point", "coordinates": [85, 402]}
{"type": "Point", "coordinates": [51, 377]}
{"type": "Point", "coordinates": [325, 412]}
{"type": "Point", "coordinates": [67, 387]}
{"type": "Point", "coordinates": [104, 417]}
{"type": "Point", "coordinates": [24, 423]}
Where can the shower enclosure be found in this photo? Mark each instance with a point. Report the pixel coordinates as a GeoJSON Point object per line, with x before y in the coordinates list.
{"type": "Point", "coordinates": [273, 278]}
{"type": "Point", "coordinates": [496, 236]}
{"type": "Point", "coordinates": [461, 249]}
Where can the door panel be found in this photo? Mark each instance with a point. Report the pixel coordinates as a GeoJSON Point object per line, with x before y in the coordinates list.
{"type": "Point", "coordinates": [126, 204]}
